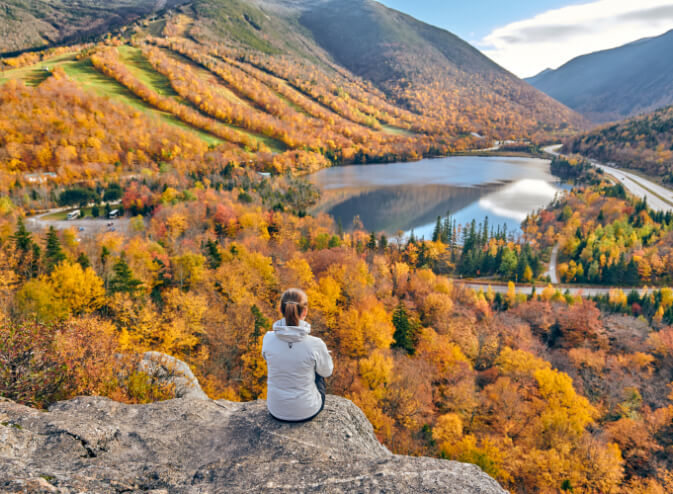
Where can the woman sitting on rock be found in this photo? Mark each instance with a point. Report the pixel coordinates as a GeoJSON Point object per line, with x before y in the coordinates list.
{"type": "Point", "coordinates": [297, 363]}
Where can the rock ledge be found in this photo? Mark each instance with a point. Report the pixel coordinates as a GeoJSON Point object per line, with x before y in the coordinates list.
{"type": "Point", "coordinates": [189, 445]}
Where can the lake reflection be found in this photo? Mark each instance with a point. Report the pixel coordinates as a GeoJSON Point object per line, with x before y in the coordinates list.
{"type": "Point", "coordinates": [406, 196]}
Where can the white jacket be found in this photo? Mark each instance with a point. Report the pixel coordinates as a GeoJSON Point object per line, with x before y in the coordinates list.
{"type": "Point", "coordinates": [293, 358]}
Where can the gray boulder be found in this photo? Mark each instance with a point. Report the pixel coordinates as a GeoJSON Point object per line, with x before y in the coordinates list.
{"type": "Point", "coordinates": [188, 445]}
{"type": "Point", "coordinates": [167, 369]}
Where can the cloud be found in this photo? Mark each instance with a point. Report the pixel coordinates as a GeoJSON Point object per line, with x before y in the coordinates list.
{"type": "Point", "coordinates": [552, 38]}
{"type": "Point", "coordinates": [536, 34]}
{"type": "Point", "coordinates": [663, 13]}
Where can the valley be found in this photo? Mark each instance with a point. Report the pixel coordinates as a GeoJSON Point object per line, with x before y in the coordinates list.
{"type": "Point", "coordinates": [490, 269]}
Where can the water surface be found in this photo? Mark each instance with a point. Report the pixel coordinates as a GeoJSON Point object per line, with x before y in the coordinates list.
{"type": "Point", "coordinates": [410, 196]}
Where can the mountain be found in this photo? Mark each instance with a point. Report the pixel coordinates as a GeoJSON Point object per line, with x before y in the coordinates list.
{"type": "Point", "coordinates": [419, 65]}
{"type": "Point", "coordinates": [535, 78]}
{"type": "Point", "coordinates": [644, 142]}
{"type": "Point", "coordinates": [617, 83]}
{"type": "Point", "coordinates": [373, 66]}
{"type": "Point", "coordinates": [31, 24]}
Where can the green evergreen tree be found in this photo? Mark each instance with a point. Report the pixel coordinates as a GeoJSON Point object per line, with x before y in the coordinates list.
{"type": "Point", "coordinates": [53, 254]}
{"type": "Point", "coordinates": [447, 230]}
{"type": "Point", "coordinates": [262, 324]}
{"type": "Point", "coordinates": [213, 254]}
{"type": "Point", "coordinates": [406, 330]}
{"type": "Point", "coordinates": [631, 276]}
{"type": "Point", "coordinates": [123, 280]}
{"type": "Point", "coordinates": [22, 237]}
{"type": "Point", "coordinates": [83, 260]}
{"type": "Point", "coordinates": [484, 232]}
{"type": "Point", "coordinates": [371, 244]}
{"type": "Point", "coordinates": [104, 254]}
{"type": "Point", "coordinates": [383, 242]}
{"type": "Point", "coordinates": [35, 261]}
{"type": "Point", "coordinates": [437, 233]}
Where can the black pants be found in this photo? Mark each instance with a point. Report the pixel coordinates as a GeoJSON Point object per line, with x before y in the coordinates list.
{"type": "Point", "coordinates": [320, 384]}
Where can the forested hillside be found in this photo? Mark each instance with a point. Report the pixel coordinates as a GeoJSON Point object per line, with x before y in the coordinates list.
{"type": "Point", "coordinates": [545, 393]}
{"type": "Point", "coordinates": [604, 236]}
{"type": "Point", "coordinates": [643, 143]}
{"type": "Point", "coordinates": [271, 77]}
{"type": "Point", "coordinates": [171, 118]}
{"type": "Point", "coordinates": [614, 84]}
{"type": "Point", "coordinates": [30, 24]}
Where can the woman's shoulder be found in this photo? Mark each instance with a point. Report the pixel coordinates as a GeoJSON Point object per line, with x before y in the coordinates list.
{"type": "Point", "coordinates": [315, 341]}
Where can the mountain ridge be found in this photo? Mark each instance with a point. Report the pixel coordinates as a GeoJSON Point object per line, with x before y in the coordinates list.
{"type": "Point", "coordinates": [37, 24]}
{"type": "Point", "coordinates": [421, 68]}
{"type": "Point", "coordinates": [616, 83]}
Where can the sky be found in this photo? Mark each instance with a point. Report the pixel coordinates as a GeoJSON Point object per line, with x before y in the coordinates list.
{"type": "Point", "coordinates": [528, 36]}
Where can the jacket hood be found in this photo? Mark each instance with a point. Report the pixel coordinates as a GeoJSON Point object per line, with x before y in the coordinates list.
{"type": "Point", "coordinates": [291, 333]}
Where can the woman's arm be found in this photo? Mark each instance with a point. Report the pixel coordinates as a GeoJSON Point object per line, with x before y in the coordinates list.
{"type": "Point", "coordinates": [323, 360]}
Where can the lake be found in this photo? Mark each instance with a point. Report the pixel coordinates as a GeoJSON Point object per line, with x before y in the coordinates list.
{"type": "Point", "coordinates": [409, 196]}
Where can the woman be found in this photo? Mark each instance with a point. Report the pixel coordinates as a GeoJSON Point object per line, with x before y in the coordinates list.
{"type": "Point", "coordinates": [297, 363]}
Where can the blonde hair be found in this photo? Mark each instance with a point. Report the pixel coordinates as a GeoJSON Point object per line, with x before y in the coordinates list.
{"type": "Point", "coordinates": [293, 303]}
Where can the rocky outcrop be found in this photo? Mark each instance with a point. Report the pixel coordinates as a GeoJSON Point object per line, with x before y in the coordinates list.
{"type": "Point", "coordinates": [169, 370]}
{"type": "Point", "coordinates": [189, 445]}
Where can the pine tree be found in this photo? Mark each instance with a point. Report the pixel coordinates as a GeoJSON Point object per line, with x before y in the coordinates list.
{"type": "Point", "coordinates": [406, 330]}
{"type": "Point", "coordinates": [35, 261]}
{"type": "Point", "coordinates": [484, 232]}
{"type": "Point", "coordinates": [104, 254]}
{"type": "Point", "coordinates": [437, 233]}
{"type": "Point", "coordinates": [213, 254]}
{"type": "Point", "coordinates": [83, 260]}
{"type": "Point", "coordinates": [383, 242]}
{"type": "Point", "coordinates": [123, 280]}
{"type": "Point", "coordinates": [262, 324]}
{"type": "Point", "coordinates": [631, 276]}
{"type": "Point", "coordinates": [22, 237]}
{"type": "Point", "coordinates": [447, 230]}
{"type": "Point", "coordinates": [53, 254]}
{"type": "Point", "coordinates": [371, 244]}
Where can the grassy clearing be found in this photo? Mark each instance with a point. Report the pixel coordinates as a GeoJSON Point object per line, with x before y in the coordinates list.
{"type": "Point", "coordinates": [396, 130]}
{"type": "Point", "coordinates": [136, 62]}
{"type": "Point", "coordinates": [219, 87]}
{"type": "Point", "coordinates": [141, 68]}
{"type": "Point", "coordinates": [205, 75]}
{"type": "Point", "coordinates": [85, 73]}
{"type": "Point", "coordinates": [33, 75]}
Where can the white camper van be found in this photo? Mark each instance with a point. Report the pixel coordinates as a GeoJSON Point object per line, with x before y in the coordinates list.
{"type": "Point", "coordinates": [73, 214]}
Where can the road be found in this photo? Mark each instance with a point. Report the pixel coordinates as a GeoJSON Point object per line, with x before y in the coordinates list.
{"type": "Point", "coordinates": [587, 291]}
{"type": "Point", "coordinates": [658, 198]}
{"type": "Point", "coordinates": [551, 272]}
